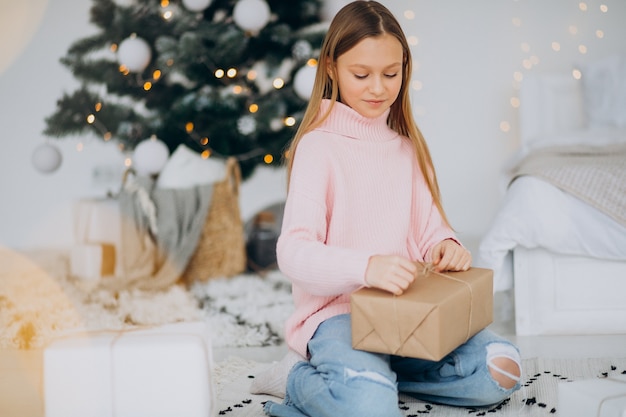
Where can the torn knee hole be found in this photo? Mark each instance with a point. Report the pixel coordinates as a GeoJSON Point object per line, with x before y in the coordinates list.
{"type": "Point", "coordinates": [503, 361]}
{"type": "Point", "coordinates": [371, 375]}
{"type": "Point", "coordinates": [505, 371]}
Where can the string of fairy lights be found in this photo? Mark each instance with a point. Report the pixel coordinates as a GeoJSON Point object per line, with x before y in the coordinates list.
{"type": "Point", "coordinates": [531, 60]}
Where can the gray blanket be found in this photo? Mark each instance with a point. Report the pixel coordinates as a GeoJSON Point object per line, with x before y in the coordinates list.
{"type": "Point", "coordinates": [596, 175]}
{"type": "Point", "coordinates": [160, 231]}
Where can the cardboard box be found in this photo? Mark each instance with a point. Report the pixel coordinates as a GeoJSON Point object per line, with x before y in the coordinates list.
{"type": "Point", "coordinates": [435, 315]}
{"type": "Point", "coordinates": [92, 261]}
{"type": "Point", "coordinates": [599, 397]}
{"type": "Point", "coordinates": [156, 372]}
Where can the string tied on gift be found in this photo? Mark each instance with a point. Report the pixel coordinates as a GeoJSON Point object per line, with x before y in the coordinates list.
{"type": "Point", "coordinates": [429, 268]}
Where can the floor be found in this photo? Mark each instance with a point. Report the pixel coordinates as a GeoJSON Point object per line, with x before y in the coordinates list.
{"type": "Point", "coordinates": [21, 378]}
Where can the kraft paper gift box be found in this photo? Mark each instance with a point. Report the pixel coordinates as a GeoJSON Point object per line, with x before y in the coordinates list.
{"type": "Point", "coordinates": [599, 397]}
{"type": "Point", "coordinates": [435, 315]}
{"type": "Point", "coordinates": [92, 261]}
{"type": "Point", "coordinates": [156, 372]}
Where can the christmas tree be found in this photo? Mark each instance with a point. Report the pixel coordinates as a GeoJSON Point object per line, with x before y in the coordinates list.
{"type": "Point", "coordinates": [224, 77]}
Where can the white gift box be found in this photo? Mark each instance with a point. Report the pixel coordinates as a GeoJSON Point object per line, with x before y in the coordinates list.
{"type": "Point", "coordinates": [156, 372]}
{"type": "Point", "coordinates": [92, 261]}
{"type": "Point", "coordinates": [600, 397]}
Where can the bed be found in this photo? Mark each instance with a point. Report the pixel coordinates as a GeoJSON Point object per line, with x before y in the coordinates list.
{"type": "Point", "coordinates": [558, 240]}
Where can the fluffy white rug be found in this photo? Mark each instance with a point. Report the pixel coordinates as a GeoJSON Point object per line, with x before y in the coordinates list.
{"type": "Point", "coordinates": [537, 398]}
{"type": "Point", "coordinates": [39, 302]}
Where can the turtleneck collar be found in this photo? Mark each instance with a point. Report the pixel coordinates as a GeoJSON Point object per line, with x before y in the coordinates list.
{"type": "Point", "coordinates": [348, 122]}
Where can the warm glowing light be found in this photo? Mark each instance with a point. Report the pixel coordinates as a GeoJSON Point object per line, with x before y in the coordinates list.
{"type": "Point", "coordinates": [573, 30]}
{"type": "Point", "coordinates": [113, 47]}
{"type": "Point", "coordinates": [189, 127]}
{"type": "Point", "coordinates": [147, 85]}
{"type": "Point", "coordinates": [290, 121]}
{"type": "Point", "coordinates": [253, 108]}
{"type": "Point", "coordinates": [169, 62]}
{"type": "Point", "coordinates": [518, 76]}
{"type": "Point", "coordinates": [231, 73]}
{"type": "Point", "coordinates": [167, 15]}
{"type": "Point", "coordinates": [128, 162]}
{"type": "Point", "coordinates": [312, 62]}
{"type": "Point", "coordinates": [604, 8]}
{"type": "Point", "coordinates": [98, 106]}
{"type": "Point", "coordinates": [582, 49]}
{"type": "Point", "coordinates": [556, 47]}
{"type": "Point", "coordinates": [527, 64]}
{"type": "Point", "coordinates": [517, 22]}
{"type": "Point", "coordinates": [205, 154]}
{"type": "Point", "coordinates": [409, 14]}
{"type": "Point", "coordinates": [156, 74]}
{"type": "Point", "coordinates": [237, 89]}
{"type": "Point", "coordinates": [576, 74]}
{"type": "Point", "coordinates": [219, 73]}
{"type": "Point", "coordinates": [599, 34]}
{"type": "Point", "coordinates": [124, 70]}
{"type": "Point", "coordinates": [412, 40]}
{"type": "Point", "coordinates": [204, 141]}
{"type": "Point", "coordinates": [582, 6]}
{"type": "Point", "coordinates": [107, 136]}
{"type": "Point", "coordinates": [91, 118]}
{"type": "Point", "coordinates": [251, 75]}
{"type": "Point", "coordinates": [525, 46]}
{"type": "Point", "coordinates": [278, 83]}
{"type": "Point", "coordinates": [268, 159]}
{"type": "Point", "coordinates": [505, 126]}
{"type": "Point", "coordinates": [165, 3]}
{"type": "Point", "coordinates": [417, 85]}
{"type": "Point", "coordinates": [515, 102]}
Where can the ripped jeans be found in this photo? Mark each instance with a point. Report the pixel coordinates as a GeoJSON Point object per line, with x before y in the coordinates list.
{"type": "Point", "coordinates": [341, 381]}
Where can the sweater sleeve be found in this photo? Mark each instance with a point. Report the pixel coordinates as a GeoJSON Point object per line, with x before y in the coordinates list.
{"type": "Point", "coordinates": [302, 250]}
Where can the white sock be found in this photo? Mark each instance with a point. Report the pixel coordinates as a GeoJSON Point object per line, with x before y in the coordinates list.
{"type": "Point", "coordinates": [273, 380]}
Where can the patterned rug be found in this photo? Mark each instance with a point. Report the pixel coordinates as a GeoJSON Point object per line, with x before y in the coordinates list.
{"type": "Point", "coordinates": [537, 398]}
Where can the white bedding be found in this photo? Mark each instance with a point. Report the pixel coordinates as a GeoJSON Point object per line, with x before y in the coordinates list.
{"type": "Point", "coordinates": [537, 214]}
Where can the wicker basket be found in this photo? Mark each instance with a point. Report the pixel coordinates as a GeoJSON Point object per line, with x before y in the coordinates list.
{"type": "Point", "coordinates": [221, 248]}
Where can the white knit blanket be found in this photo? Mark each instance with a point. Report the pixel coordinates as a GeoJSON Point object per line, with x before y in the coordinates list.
{"type": "Point", "coordinates": [596, 175]}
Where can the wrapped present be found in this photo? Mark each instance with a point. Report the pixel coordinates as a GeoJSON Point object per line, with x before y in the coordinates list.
{"type": "Point", "coordinates": [435, 315]}
{"type": "Point", "coordinates": [97, 221]}
{"type": "Point", "coordinates": [92, 261]}
{"type": "Point", "coordinates": [156, 372]}
{"type": "Point", "coordinates": [599, 397]}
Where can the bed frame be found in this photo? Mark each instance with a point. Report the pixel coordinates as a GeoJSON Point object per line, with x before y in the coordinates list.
{"type": "Point", "coordinates": [557, 294]}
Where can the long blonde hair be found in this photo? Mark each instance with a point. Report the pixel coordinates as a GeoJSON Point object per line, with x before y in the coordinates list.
{"type": "Point", "coordinates": [354, 22]}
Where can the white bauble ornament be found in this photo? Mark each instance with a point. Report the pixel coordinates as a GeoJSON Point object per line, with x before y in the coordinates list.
{"type": "Point", "coordinates": [150, 156]}
{"type": "Point", "coordinates": [196, 5]}
{"type": "Point", "coordinates": [134, 53]}
{"type": "Point", "coordinates": [303, 81]}
{"type": "Point", "coordinates": [46, 158]}
{"type": "Point", "coordinates": [251, 15]}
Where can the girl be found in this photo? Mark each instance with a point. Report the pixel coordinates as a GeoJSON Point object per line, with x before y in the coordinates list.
{"type": "Point", "coordinates": [363, 205]}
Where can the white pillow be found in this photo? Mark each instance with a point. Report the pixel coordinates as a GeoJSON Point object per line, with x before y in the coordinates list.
{"type": "Point", "coordinates": [186, 168]}
{"type": "Point", "coordinates": [604, 87]}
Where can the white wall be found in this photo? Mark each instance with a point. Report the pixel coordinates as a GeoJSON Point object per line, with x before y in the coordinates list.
{"type": "Point", "coordinates": [466, 56]}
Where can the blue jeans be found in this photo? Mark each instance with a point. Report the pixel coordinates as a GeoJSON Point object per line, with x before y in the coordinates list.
{"type": "Point", "coordinates": [341, 381]}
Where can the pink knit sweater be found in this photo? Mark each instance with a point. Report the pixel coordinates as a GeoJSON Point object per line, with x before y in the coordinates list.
{"type": "Point", "coordinates": [355, 191]}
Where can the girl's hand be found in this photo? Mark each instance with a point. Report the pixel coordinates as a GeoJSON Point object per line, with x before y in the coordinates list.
{"type": "Point", "coordinates": [448, 255]}
{"type": "Point", "coordinates": [390, 273]}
